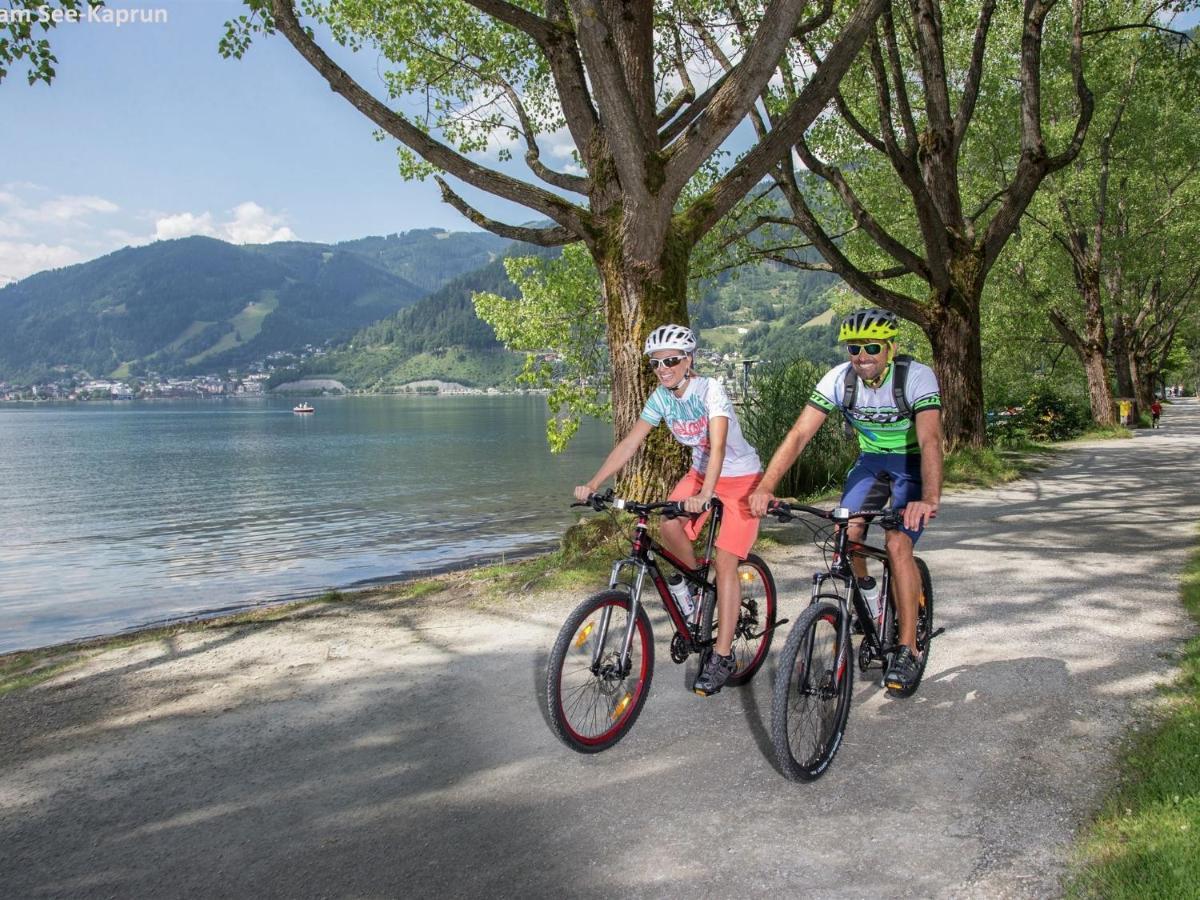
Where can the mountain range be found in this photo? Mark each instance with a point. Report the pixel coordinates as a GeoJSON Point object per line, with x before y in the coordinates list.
{"type": "Point", "coordinates": [198, 304]}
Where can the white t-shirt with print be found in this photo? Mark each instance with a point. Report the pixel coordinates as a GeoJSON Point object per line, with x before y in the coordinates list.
{"type": "Point", "coordinates": [688, 416]}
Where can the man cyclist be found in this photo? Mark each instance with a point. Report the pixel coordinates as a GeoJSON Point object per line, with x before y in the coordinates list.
{"type": "Point", "coordinates": [900, 443]}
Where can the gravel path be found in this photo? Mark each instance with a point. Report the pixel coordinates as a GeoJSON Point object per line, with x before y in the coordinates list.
{"type": "Point", "coordinates": [379, 749]}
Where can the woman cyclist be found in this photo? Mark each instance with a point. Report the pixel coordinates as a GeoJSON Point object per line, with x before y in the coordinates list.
{"type": "Point", "coordinates": [700, 415]}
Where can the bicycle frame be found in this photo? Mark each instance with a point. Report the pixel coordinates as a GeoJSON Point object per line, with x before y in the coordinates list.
{"type": "Point", "coordinates": [643, 560]}
{"type": "Point", "coordinates": [839, 569]}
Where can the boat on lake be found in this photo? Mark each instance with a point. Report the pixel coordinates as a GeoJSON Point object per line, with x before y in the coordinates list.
{"type": "Point", "coordinates": [302, 408]}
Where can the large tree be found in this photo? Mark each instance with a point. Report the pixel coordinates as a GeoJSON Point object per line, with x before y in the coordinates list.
{"type": "Point", "coordinates": [938, 141]}
{"type": "Point", "coordinates": [623, 80]}
{"type": "Point", "coordinates": [1124, 215]}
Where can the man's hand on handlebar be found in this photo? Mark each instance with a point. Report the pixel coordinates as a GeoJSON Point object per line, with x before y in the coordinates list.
{"type": "Point", "coordinates": [583, 491]}
{"type": "Point", "coordinates": [698, 503]}
{"type": "Point", "coordinates": [918, 512]}
{"type": "Point", "coordinates": [759, 501]}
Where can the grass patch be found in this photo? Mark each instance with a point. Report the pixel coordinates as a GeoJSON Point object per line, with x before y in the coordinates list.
{"type": "Point", "coordinates": [1146, 840]}
{"type": "Point", "coordinates": [1107, 432]}
{"type": "Point", "coordinates": [989, 466]}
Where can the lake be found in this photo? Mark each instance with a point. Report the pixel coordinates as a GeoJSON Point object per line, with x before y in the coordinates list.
{"type": "Point", "coordinates": [118, 514]}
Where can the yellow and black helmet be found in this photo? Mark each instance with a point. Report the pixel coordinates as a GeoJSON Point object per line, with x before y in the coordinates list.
{"type": "Point", "coordinates": [868, 325]}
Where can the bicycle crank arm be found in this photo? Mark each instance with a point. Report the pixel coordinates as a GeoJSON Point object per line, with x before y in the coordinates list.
{"type": "Point", "coordinates": [936, 633]}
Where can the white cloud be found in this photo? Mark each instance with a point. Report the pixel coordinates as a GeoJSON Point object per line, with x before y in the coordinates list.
{"type": "Point", "coordinates": [60, 210]}
{"type": "Point", "coordinates": [183, 225]}
{"type": "Point", "coordinates": [254, 225]}
{"type": "Point", "coordinates": [20, 259]}
{"type": "Point", "coordinates": [11, 230]}
{"type": "Point", "coordinates": [251, 224]}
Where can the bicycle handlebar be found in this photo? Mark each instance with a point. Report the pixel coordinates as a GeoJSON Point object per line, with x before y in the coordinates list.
{"type": "Point", "coordinates": [786, 512]}
{"type": "Point", "coordinates": [671, 509]}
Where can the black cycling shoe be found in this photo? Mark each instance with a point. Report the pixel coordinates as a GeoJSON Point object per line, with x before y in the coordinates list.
{"type": "Point", "coordinates": [714, 675]}
{"type": "Point", "coordinates": [902, 673]}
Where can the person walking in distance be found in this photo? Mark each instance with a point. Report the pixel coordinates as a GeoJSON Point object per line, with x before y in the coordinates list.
{"type": "Point", "coordinates": [893, 405]}
{"type": "Point", "coordinates": [1155, 412]}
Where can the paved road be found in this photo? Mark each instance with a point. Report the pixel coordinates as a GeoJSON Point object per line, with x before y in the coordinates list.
{"type": "Point", "coordinates": [391, 749]}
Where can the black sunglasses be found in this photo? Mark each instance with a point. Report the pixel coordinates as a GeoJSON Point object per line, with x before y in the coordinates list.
{"type": "Point", "coordinates": [855, 349]}
{"type": "Point", "coordinates": [670, 362]}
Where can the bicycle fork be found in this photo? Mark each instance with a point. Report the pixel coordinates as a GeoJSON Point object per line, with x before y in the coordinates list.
{"type": "Point", "coordinates": [635, 597]}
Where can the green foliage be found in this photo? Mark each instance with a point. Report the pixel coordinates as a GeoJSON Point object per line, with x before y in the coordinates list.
{"type": "Point", "coordinates": [557, 320]}
{"type": "Point", "coordinates": [23, 30]}
{"type": "Point", "coordinates": [779, 393]}
{"type": "Point", "coordinates": [1046, 415]}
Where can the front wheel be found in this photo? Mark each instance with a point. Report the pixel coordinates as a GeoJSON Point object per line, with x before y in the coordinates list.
{"type": "Point", "coordinates": [812, 692]}
{"type": "Point", "coordinates": [593, 697]}
{"type": "Point", "coordinates": [756, 619]}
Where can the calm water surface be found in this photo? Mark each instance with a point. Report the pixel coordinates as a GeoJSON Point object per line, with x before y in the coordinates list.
{"type": "Point", "coordinates": [119, 514]}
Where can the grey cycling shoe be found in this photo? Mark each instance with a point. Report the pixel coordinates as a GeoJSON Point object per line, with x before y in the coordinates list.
{"type": "Point", "coordinates": [714, 675]}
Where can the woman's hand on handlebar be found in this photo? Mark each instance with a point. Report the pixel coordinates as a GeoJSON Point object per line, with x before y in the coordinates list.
{"type": "Point", "coordinates": [759, 501]}
{"type": "Point", "coordinates": [583, 491]}
{"type": "Point", "coordinates": [698, 503]}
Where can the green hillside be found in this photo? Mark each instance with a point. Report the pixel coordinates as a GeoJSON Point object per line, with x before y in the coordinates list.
{"type": "Point", "coordinates": [439, 337]}
{"type": "Point", "coordinates": [429, 257]}
{"type": "Point", "coordinates": [198, 305]}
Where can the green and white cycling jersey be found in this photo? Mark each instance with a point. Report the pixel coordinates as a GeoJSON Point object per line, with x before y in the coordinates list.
{"type": "Point", "coordinates": [875, 416]}
{"type": "Point", "coordinates": [688, 416]}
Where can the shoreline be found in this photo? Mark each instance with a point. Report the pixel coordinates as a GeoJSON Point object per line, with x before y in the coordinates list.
{"type": "Point", "coordinates": [233, 611]}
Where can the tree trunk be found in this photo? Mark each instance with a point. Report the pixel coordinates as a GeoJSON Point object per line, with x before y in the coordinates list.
{"type": "Point", "coordinates": [1093, 348]}
{"type": "Point", "coordinates": [1141, 373]}
{"type": "Point", "coordinates": [958, 362]}
{"type": "Point", "coordinates": [1099, 382]}
{"type": "Point", "coordinates": [639, 296]}
{"type": "Point", "coordinates": [1122, 360]}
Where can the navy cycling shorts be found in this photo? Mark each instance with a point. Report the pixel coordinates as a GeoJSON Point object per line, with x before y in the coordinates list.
{"type": "Point", "coordinates": [877, 477]}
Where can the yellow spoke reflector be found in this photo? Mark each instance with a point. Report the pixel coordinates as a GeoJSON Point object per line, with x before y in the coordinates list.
{"type": "Point", "coordinates": [583, 635]}
{"type": "Point", "coordinates": [622, 705]}
{"type": "Point", "coordinates": [747, 575]}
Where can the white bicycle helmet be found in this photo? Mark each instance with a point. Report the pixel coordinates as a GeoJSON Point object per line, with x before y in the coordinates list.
{"type": "Point", "coordinates": [671, 337]}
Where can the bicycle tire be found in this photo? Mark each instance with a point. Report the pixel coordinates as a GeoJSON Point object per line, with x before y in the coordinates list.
{"type": "Point", "coordinates": [924, 626]}
{"type": "Point", "coordinates": [812, 692]}
{"type": "Point", "coordinates": [592, 710]}
{"type": "Point", "coordinates": [756, 619]}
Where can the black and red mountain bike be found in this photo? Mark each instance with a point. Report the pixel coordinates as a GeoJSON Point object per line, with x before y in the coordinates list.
{"type": "Point", "coordinates": [600, 669]}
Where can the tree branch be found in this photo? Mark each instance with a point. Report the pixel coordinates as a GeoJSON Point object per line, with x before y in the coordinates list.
{"type": "Point", "coordinates": [790, 127]}
{"type": "Point", "coordinates": [543, 237]}
{"type": "Point", "coordinates": [888, 244]}
{"type": "Point", "coordinates": [736, 96]}
{"type": "Point", "coordinates": [438, 154]}
{"type": "Point", "coordinates": [1034, 164]}
{"type": "Point", "coordinates": [970, 94]}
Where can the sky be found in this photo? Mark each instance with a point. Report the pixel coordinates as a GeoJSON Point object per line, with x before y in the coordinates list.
{"type": "Point", "coordinates": [147, 133]}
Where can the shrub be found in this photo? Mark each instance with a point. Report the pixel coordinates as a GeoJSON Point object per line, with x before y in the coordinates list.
{"type": "Point", "coordinates": [1048, 416]}
{"type": "Point", "coordinates": [779, 392]}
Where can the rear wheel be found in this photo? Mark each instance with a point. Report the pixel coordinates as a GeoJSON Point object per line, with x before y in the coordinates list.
{"type": "Point", "coordinates": [593, 699]}
{"type": "Point", "coordinates": [812, 693]}
{"type": "Point", "coordinates": [924, 626]}
{"type": "Point", "coordinates": [756, 618]}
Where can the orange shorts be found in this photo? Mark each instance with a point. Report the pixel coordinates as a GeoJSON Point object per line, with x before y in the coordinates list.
{"type": "Point", "coordinates": [739, 527]}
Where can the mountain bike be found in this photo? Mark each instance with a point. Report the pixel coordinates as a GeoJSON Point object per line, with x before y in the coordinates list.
{"type": "Point", "coordinates": [600, 669]}
{"type": "Point", "coordinates": [812, 690]}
